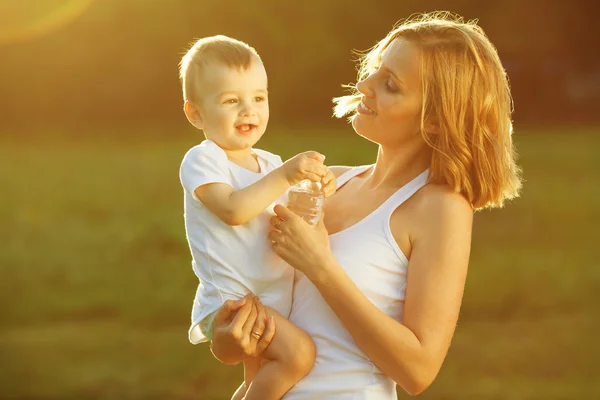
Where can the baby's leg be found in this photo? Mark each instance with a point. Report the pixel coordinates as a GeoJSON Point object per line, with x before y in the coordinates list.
{"type": "Point", "coordinates": [250, 368]}
{"type": "Point", "coordinates": [289, 357]}
{"type": "Point", "coordinates": [240, 392]}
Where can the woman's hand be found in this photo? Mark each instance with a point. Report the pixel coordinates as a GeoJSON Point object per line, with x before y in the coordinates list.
{"type": "Point", "coordinates": [241, 330]}
{"type": "Point", "coordinates": [304, 247]}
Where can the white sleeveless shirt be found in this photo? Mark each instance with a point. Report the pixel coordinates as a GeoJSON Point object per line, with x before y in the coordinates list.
{"type": "Point", "coordinates": [369, 254]}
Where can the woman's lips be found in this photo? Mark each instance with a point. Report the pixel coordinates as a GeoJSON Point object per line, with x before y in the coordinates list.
{"type": "Point", "coordinates": [362, 108]}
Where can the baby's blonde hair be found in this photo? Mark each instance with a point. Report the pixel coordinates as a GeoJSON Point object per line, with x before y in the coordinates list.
{"type": "Point", "coordinates": [466, 93]}
{"type": "Point", "coordinates": [231, 52]}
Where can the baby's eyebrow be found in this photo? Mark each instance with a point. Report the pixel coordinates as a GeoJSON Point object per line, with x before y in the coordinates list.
{"type": "Point", "coordinates": [229, 92]}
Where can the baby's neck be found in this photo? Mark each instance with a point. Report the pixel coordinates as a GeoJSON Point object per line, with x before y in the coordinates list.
{"type": "Point", "coordinates": [244, 158]}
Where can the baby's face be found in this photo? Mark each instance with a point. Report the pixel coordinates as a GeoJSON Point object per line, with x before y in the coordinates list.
{"type": "Point", "coordinates": [234, 107]}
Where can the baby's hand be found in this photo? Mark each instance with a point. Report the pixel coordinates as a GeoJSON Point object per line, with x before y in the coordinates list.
{"type": "Point", "coordinates": [329, 183]}
{"type": "Point", "coordinates": [307, 165]}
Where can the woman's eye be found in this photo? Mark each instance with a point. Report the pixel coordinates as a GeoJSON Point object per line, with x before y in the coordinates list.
{"type": "Point", "coordinates": [391, 86]}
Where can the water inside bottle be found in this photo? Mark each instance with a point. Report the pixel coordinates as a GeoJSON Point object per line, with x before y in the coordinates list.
{"type": "Point", "coordinates": [306, 202]}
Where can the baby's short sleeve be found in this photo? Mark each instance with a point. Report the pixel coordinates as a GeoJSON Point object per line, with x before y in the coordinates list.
{"type": "Point", "coordinates": [204, 164]}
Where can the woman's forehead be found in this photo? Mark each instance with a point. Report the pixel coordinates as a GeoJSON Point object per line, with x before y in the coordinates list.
{"type": "Point", "coordinates": [399, 52]}
{"type": "Point", "coordinates": [402, 57]}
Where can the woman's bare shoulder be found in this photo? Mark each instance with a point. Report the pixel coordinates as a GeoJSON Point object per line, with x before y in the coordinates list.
{"type": "Point", "coordinates": [441, 201]}
{"type": "Point", "coordinates": [431, 216]}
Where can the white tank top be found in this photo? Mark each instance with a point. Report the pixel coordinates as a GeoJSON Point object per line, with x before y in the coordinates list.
{"type": "Point", "coordinates": [369, 254]}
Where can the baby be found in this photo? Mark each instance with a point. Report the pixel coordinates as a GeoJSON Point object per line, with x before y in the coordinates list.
{"type": "Point", "coordinates": [230, 189]}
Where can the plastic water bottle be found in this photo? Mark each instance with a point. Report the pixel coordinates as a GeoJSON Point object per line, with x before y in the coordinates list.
{"type": "Point", "coordinates": [306, 200]}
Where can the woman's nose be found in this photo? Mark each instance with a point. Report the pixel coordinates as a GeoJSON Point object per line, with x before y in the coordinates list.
{"type": "Point", "coordinates": [364, 87]}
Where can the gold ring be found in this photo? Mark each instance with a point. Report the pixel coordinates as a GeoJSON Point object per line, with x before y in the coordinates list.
{"type": "Point", "coordinates": [277, 223]}
{"type": "Point", "coordinates": [256, 334]}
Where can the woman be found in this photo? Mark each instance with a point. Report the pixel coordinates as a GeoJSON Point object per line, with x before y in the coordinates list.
{"type": "Point", "coordinates": [382, 275]}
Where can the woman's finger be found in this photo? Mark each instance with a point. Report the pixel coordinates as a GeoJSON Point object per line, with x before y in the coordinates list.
{"type": "Point", "coordinates": [242, 315]}
{"type": "Point", "coordinates": [275, 221]}
{"type": "Point", "coordinates": [261, 320]}
{"type": "Point", "coordinates": [267, 336]}
{"type": "Point", "coordinates": [250, 321]}
{"type": "Point", "coordinates": [229, 307]}
{"type": "Point", "coordinates": [274, 235]}
{"type": "Point", "coordinates": [284, 213]}
{"type": "Point", "coordinates": [281, 250]}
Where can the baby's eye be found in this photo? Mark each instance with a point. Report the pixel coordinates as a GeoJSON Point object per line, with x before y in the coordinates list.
{"type": "Point", "coordinates": [258, 99]}
{"type": "Point", "coordinates": [230, 101]}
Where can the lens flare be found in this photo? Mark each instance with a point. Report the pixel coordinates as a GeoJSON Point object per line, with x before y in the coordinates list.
{"type": "Point", "coordinates": [26, 20]}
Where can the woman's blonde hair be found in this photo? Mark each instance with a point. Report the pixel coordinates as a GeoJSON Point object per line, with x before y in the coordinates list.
{"type": "Point", "coordinates": [466, 93]}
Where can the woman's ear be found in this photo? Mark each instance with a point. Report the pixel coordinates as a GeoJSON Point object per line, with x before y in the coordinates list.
{"type": "Point", "coordinates": [432, 127]}
{"type": "Point", "coordinates": [192, 112]}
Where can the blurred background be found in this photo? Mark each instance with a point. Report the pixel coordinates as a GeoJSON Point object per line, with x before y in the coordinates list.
{"type": "Point", "coordinates": [95, 277]}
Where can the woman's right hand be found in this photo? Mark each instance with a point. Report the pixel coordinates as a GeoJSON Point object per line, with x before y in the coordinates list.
{"type": "Point", "coordinates": [236, 327]}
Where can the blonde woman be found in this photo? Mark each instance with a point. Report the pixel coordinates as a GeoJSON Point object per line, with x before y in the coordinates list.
{"type": "Point", "coordinates": [382, 275]}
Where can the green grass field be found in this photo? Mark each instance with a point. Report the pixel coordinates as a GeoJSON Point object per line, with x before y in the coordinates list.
{"type": "Point", "coordinates": [96, 283]}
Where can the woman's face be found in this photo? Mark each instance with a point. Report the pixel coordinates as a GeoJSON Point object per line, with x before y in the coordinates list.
{"type": "Point", "coordinates": [390, 108]}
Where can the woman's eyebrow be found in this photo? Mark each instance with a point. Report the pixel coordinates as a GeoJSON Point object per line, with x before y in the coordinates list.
{"type": "Point", "coordinates": [389, 71]}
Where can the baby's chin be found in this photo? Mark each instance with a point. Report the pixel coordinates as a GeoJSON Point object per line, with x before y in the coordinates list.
{"type": "Point", "coordinates": [244, 142]}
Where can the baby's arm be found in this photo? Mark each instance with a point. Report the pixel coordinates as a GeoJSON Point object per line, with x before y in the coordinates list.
{"type": "Point", "coordinates": [236, 207]}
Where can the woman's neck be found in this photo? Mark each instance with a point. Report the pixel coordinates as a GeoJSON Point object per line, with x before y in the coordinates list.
{"type": "Point", "coordinates": [397, 166]}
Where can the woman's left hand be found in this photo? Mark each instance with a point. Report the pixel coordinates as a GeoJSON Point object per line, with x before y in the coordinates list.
{"type": "Point", "coordinates": [301, 245]}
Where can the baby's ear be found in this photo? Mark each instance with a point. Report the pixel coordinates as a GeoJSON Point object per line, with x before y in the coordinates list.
{"type": "Point", "coordinates": [192, 112]}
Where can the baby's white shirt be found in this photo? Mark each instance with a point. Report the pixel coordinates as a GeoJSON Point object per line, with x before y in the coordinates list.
{"type": "Point", "coordinates": [230, 261]}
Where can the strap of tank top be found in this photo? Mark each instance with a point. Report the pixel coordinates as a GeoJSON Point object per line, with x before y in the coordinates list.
{"type": "Point", "coordinates": [406, 191]}
{"type": "Point", "coordinates": [351, 173]}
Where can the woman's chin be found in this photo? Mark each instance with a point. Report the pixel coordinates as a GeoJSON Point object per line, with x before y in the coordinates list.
{"type": "Point", "coordinates": [362, 132]}
{"type": "Point", "coordinates": [355, 123]}
{"type": "Point", "coordinates": [359, 125]}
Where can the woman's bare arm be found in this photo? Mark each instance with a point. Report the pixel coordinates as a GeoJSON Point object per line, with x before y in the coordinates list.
{"type": "Point", "coordinates": [411, 352]}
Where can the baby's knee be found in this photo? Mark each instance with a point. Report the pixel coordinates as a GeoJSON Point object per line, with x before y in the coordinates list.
{"type": "Point", "coordinates": [303, 357]}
